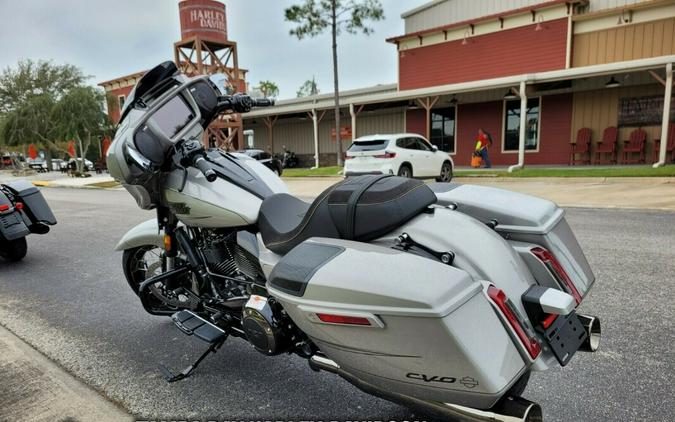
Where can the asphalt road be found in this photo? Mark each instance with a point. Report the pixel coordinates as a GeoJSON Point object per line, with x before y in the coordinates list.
{"type": "Point", "coordinates": [68, 299]}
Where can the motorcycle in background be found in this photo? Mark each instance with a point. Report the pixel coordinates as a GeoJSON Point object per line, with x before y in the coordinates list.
{"type": "Point", "coordinates": [289, 160]}
{"type": "Point", "coordinates": [23, 210]}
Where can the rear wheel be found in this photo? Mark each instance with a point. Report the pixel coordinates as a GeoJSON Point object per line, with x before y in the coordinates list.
{"type": "Point", "coordinates": [446, 173]}
{"type": "Point", "coordinates": [13, 250]}
{"type": "Point", "coordinates": [405, 171]}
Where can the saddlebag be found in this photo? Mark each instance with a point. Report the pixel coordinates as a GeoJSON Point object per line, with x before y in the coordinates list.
{"type": "Point", "coordinates": [524, 221]}
{"type": "Point", "coordinates": [398, 321]}
{"type": "Point", "coordinates": [34, 205]}
{"type": "Point", "coordinates": [12, 224]}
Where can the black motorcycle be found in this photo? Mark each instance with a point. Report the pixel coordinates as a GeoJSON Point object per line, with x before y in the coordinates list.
{"type": "Point", "coordinates": [289, 160]}
{"type": "Point", "coordinates": [23, 210]}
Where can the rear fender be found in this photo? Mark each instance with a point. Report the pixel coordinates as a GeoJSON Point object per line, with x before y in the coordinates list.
{"type": "Point", "coordinates": [12, 224]}
{"type": "Point", "coordinates": [146, 233]}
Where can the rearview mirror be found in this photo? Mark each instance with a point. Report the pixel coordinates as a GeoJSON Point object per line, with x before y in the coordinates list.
{"type": "Point", "coordinates": [434, 147]}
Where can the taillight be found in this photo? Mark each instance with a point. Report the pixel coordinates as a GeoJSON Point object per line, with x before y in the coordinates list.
{"type": "Point", "coordinates": [558, 272]}
{"type": "Point", "coordinates": [515, 321]}
{"type": "Point", "coordinates": [19, 205]}
{"type": "Point", "coordinates": [348, 157]}
{"type": "Point", "coordinates": [386, 155]}
{"type": "Point", "coordinates": [342, 319]}
{"type": "Point", "coordinates": [4, 207]}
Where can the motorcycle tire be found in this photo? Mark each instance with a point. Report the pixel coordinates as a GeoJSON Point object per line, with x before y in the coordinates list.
{"type": "Point", "coordinates": [135, 274]}
{"type": "Point", "coordinates": [13, 250]}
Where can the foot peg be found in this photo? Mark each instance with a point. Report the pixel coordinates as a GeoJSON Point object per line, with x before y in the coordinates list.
{"type": "Point", "coordinates": [192, 324]}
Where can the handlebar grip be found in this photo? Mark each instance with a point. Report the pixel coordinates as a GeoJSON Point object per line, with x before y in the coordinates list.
{"type": "Point", "coordinates": [202, 165]}
{"type": "Point", "coordinates": [263, 102]}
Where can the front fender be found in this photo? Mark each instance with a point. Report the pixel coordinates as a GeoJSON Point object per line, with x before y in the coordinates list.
{"type": "Point", "coordinates": [146, 233]}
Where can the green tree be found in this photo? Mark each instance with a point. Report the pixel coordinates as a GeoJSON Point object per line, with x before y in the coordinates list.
{"type": "Point", "coordinates": [268, 89]}
{"type": "Point", "coordinates": [80, 116]}
{"type": "Point", "coordinates": [308, 88]}
{"type": "Point", "coordinates": [28, 95]}
{"type": "Point", "coordinates": [314, 17]}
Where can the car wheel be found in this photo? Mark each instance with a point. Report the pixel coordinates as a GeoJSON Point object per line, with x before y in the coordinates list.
{"type": "Point", "coordinates": [405, 171]}
{"type": "Point", "coordinates": [446, 173]}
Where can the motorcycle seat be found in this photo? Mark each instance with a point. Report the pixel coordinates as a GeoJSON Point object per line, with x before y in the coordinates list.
{"type": "Point", "coordinates": [359, 208]}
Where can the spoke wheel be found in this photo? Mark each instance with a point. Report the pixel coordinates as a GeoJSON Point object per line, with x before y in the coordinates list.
{"type": "Point", "coordinates": [405, 171]}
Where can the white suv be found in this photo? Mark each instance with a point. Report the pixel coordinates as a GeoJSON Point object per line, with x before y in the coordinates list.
{"type": "Point", "coordinates": [403, 154]}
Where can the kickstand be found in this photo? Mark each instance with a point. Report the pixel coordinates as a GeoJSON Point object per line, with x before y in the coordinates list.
{"type": "Point", "coordinates": [171, 377]}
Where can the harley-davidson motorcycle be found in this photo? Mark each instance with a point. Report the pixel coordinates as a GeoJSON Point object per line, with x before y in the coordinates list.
{"type": "Point", "coordinates": [23, 210]}
{"type": "Point", "coordinates": [441, 297]}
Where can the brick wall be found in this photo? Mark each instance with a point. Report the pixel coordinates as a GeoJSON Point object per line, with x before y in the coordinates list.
{"type": "Point", "coordinates": [509, 52]}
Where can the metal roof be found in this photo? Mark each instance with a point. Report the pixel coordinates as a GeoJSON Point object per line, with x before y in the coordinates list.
{"type": "Point", "coordinates": [472, 86]}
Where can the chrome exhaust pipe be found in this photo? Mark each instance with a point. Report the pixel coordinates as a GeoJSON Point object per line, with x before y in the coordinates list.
{"type": "Point", "coordinates": [508, 409]}
{"type": "Point", "coordinates": [594, 330]}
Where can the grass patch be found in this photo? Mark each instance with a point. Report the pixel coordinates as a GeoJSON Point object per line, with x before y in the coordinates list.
{"type": "Point", "coordinates": [646, 171]}
{"type": "Point", "coordinates": [105, 185]}
{"type": "Point", "coordinates": [320, 172]}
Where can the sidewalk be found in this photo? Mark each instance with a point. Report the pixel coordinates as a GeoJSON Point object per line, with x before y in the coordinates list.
{"type": "Point", "coordinates": [593, 192]}
{"type": "Point", "coordinates": [34, 388]}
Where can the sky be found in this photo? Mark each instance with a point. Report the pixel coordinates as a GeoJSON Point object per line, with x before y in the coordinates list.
{"type": "Point", "coordinates": [112, 38]}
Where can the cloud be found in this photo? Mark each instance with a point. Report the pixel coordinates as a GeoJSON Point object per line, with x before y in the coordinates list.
{"type": "Point", "coordinates": [108, 39]}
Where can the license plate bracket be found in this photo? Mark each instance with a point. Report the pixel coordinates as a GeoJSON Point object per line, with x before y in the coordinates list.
{"type": "Point", "coordinates": [564, 336]}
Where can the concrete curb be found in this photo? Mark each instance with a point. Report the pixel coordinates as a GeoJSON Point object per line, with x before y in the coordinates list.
{"type": "Point", "coordinates": [36, 388]}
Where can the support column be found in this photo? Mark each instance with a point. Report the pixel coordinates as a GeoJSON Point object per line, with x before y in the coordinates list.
{"type": "Point", "coordinates": [427, 104]}
{"type": "Point", "coordinates": [269, 122]}
{"type": "Point", "coordinates": [316, 119]}
{"type": "Point", "coordinates": [354, 112]}
{"type": "Point", "coordinates": [523, 128]}
{"type": "Point", "coordinates": [666, 116]}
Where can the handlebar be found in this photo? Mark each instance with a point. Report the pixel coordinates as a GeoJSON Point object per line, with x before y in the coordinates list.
{"type": "Point", "coordinates": [202, 165]}
{"type": "Point", "coordinates": [242, 103]}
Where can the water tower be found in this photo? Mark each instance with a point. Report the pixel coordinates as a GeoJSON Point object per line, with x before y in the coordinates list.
{"type": "Point", "coordinates": [205, 49]}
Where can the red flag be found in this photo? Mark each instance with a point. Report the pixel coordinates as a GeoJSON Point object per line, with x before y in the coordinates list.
{"type": "Point", "coordinates": [71, 148]}
{"type": "Point", "coordinates": [32, 152]}
{"type": "Point", "coordinates": [106, 145]}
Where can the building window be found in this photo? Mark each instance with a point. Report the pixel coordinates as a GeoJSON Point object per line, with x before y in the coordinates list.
{"type": "Point", "coordinates": [120, 101]}
{"type": "Point", "coordinates": [512, 125]}
{"type": "Point", "coordinates": [443, 129]}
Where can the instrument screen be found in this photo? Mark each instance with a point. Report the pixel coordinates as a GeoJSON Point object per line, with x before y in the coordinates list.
{"type": "Point", "coordinates": [173, 116]}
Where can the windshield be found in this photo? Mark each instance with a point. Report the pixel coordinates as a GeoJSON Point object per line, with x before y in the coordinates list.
{"type": "Point", "coordinates": [151, 79]}
{"type": "Point", "coordinates": [370, 145]}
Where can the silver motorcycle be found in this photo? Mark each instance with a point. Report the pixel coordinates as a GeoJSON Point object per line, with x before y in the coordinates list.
{"type": "Point", "coordinates": [441, 297]}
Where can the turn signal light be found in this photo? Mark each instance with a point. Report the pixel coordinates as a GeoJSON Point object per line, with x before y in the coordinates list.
{"type": "Point", "coordinates": [342, 319]}
{"type": "Point", "coordinates": [558, 272]}
{"type": "Point", "coordinates": [386, 155]}
{"type": "Point", "coordinates": [167, 242]}
{"type": "Point", "coordinates": [506, 307]}
{"type": "Point", "coordinates": [19, 205]}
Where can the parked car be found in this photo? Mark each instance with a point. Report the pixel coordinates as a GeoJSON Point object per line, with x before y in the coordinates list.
{"type": "Point", "coordinates": [402, 154]}
{"type": "Point", "coordinates": [273, 163]}
{"type": "Point", "coordinates": [88, 165]}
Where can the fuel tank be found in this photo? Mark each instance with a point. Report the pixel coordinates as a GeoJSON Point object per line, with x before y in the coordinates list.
{"type": "Point", "coordinates": [232, 200]}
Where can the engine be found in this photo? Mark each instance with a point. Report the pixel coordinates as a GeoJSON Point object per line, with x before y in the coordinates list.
{"type": "Point", "coordinates": [264, 323]}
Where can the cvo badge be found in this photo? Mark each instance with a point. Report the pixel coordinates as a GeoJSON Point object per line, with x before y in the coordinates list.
{"type": "Point", "coordinates": [431, 378]}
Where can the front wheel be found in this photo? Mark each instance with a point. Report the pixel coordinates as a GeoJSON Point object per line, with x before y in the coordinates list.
{"type": "Point", "coordinates": [13, 250]}
{"type": "Point", "coordinates": [446, 173]}
{"type": "Point", "coordinates": [141, 263]}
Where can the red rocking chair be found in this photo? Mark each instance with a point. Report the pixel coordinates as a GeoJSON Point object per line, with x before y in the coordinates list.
{"type": "Point", "coordinates": [607, 145]}
{"type": "Point", "coordinates": [581, 147]}
{"type": "Point", "coordinates": [636, 143]}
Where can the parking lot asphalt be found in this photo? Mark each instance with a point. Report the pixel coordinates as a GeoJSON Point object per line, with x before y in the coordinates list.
{"type": "Point", "coordinates": [70, 301]}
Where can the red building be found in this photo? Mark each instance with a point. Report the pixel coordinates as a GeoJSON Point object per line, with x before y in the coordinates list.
{"type": "Point", "coordinates": [530, 72]}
